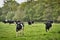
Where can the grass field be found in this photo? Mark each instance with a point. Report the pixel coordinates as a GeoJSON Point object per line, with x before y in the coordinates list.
{"type": "Point", "coordinates": [31, 32]}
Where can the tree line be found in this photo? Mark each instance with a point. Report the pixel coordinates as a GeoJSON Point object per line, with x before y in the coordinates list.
{"type": "Point", "coordinates": [39, 10]}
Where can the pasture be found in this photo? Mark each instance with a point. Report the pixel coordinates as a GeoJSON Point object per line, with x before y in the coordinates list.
{"type": "Point", "coordinates": [31, 32]}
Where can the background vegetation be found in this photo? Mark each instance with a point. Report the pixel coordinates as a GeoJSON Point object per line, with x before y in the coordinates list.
{"type": "Point", "coordinates": [38, 10]}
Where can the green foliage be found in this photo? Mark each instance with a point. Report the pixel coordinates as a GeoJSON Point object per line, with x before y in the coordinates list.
{"type": "Point", "coordinates": [10, 15]}
{"type": "Point", "coordinates": [31, 10]}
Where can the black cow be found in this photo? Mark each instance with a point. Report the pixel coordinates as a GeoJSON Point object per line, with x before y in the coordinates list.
{"type": "Point", "coordinates": [20, 26]}
{"type": "Point", "coordinates": [48, 25]}
{"type": "Point", "coordinates": [30, 22]}
{"type": "Point", "coordinates": [51, 21]}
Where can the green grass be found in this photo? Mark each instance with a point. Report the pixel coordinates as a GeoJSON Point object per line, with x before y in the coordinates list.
{"type": "Point", "coordinates": [31, 32]}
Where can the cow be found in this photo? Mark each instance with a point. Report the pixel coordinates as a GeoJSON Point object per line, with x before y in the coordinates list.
{"type": "Point", "coordinates": [11, 21]}
{"type": "Point", "coordinates": [30, 22]}
{"type": "Point", "coordinates": [19, 27]}
{"type": "Point", "coordinates": [5, 21]}
{"type": "Point", "coordinates": [48, 25]}
{"type": "Point", "coordinates": [8, 21]}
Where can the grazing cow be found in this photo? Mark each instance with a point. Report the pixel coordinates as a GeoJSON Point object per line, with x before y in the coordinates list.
{"type": "Point", "coordinates": [5, 21]}
{"type": "Point", "coordinates": [20, 26]}
{"type": "Point", "coordinates": [48, 25]}
{"type": "Point", "coordinates": [30, 22]}
{"type": "Point", "coordinates": [8, 21]}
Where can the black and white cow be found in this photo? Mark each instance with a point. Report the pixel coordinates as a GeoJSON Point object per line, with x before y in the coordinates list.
{"type": "Point", "coordinates": [19, 27]}
{"type": "Point", "coordinates": [48, 25]}
{"type": "Point", "coordinates": [11, 21]}
{"type": "Point", "coordinates": [5, 21]}
{"type": "Point", "coordinates": [8, 21]}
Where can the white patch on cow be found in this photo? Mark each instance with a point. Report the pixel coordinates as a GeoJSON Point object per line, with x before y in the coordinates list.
{"type": "Point", "coordinates": [6, 20]}
{"type": "Point", "coordinates": [22, 26]}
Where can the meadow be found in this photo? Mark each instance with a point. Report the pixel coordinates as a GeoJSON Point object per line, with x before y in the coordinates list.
{"type": "Point", "coordinates": [31, 32]}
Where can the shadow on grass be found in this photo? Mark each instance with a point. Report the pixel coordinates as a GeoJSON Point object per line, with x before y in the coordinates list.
{"type": "Point", "coordinates": [3, 37]}
{"type": "Point", "coordinates": [59, 32]}
{"type": "Point", "coordinates": [55, 32]}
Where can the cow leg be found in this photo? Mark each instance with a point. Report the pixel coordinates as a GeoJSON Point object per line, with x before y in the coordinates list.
{"type": "Point", "coordinates": [20, 32]}
{"type": "Point", "coordinates": [16, 34]}
{"type": "Point", "coordinates": [23, 31]}
{"type": "Point", "coordinates": [46, 29]}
